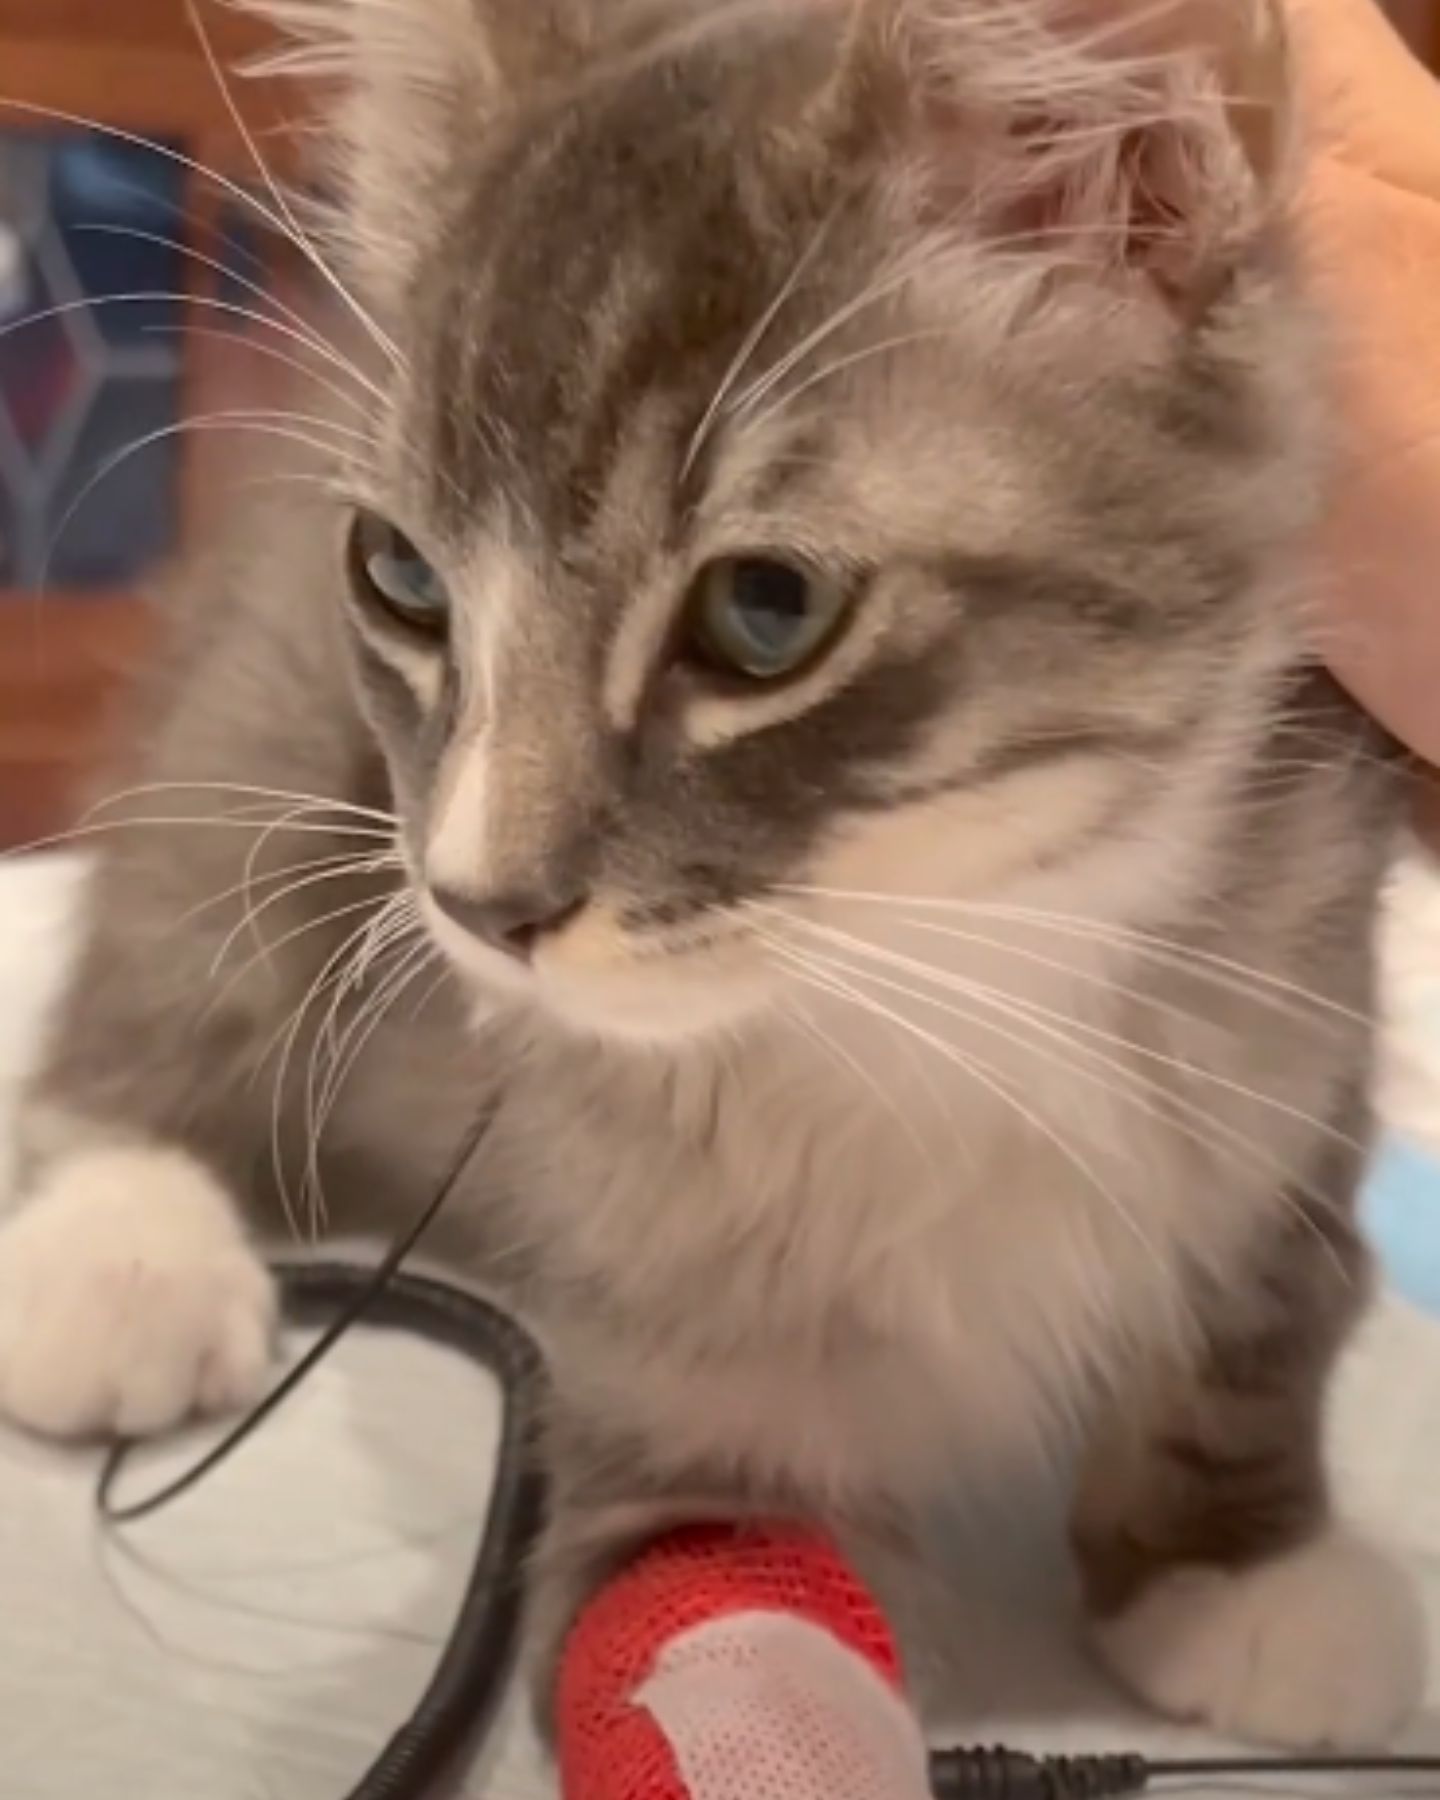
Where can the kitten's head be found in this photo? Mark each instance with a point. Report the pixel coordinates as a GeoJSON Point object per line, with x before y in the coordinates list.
{"type": "Point", "coordinates": [826, 446]}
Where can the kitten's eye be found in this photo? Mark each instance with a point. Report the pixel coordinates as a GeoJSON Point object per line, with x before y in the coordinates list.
{"type": "Point", "coordinates": [388, 571]}
{"type": "Point", "coordinates": [759, 618]}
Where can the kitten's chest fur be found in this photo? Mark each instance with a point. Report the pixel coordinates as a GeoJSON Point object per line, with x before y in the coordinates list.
{"type": "Point", "coordinates": [828, 1261]}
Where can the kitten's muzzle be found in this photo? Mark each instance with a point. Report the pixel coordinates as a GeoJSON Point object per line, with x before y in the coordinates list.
{"type": "Point", "coordinates": [512, 921]}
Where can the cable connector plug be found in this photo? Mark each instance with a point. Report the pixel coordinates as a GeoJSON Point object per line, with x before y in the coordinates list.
{"type": "Point", "coordinates": [1000, 1774]}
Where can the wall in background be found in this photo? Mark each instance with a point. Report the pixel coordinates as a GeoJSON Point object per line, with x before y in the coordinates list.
{"type": "Point", "coordinates": [84, 216]}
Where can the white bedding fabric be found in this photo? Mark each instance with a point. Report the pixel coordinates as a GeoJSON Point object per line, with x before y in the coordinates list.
{"type": "Point", "coordinates": [259, 1642]}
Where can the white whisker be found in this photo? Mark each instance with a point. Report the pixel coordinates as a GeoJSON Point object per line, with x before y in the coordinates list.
{"type": "Point", "coordinates": [273, 947]}
{"type": "Point", "coordinates": [252, 863]}
{"type": "Point", "coordinates": [886, 1101]}
{"type": "Point", "coordinates": [217, 334]}
{"type": "Point", "coordinates": [414, 961]}
{"type": "Point", "coordinates": [339, 861]}
{"type": "Point", "coordinates": [202, 822]}
{"type": "Point", "coordinates": [418, 1010]}
{"type": "Point", "coordinates": [1171, 951]}
{"type": "Point", "coordinates": [264, 424]}
{"type": "Point", "coordinates": [326, 802]}
{"type": "Point", "coordinates": [1134, 1089]}
{"type": "Point", "coordinates": [230, 309]}
{"type": "Point", "coordinates": [886, 284]}
{"type": "Point", "coordinates": [389, 930]}
{"type": "Point", "coordinates": [751, 343]}
{"type": "Point", "coordinates": [331, 971]}
{"type": "Point", "coordinates": [990, 1079]}
{"type": "Point", "coordinates": [284, 214]}
{"type": "Point", "coordinates": [304, 330]}
{"type": "Point", "coordinates": [1070, 971]}
{"type": "Point", "coordinates": [1146, 1052]}
{"type": "Point", "coordinates": [350, 868]}
{"type": "Point", "coordinates": [882, 347]}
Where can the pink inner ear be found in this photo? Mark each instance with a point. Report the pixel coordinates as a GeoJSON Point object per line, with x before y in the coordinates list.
{"type": "Point", "coordinates": [1149, 204]}
{"type": "Point", "coordinates": [1171, 245]}
{"type": "Point", "coordinates": [1132, 137]}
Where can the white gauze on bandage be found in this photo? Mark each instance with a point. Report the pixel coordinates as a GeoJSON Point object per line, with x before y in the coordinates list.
{"type": "Point", "coordinates": [766, 1706]}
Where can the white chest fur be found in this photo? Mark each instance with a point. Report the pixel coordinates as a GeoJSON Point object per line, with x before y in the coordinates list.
{"type": "Point", "coordinates": [839, 1263]}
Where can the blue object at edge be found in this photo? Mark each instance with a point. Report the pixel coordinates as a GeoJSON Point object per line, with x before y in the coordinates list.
{"type": "Point", "coordinates": [1401, 1209]}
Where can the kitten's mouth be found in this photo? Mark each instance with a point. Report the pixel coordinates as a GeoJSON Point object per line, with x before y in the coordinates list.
{"type": "Point", "coordinates": [592, 973]}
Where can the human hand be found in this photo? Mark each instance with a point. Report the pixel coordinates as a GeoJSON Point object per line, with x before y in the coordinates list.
{"type": "Point", "coordinates": [1371, 218]}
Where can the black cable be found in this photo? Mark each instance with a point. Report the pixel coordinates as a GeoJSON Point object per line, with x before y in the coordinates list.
{"type": "Point", "coordinates": [1003, 1774]}
{"type": "Point", "coordinates": [362, 1291]}
{"type": "Point", "coordinates": [463, 1696]}
{"type": "Point", "coordinates": [1204, 1767]}
{"type": "Point", "coordinates": [464, 1693]}
{"type": "Point", "coordinates": [999, 1773]}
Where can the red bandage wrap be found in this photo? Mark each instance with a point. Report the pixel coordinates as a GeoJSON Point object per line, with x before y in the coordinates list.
{"type": "Point", "coordinates": [612, 1747]}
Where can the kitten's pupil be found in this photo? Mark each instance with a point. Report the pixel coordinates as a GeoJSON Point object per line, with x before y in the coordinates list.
{"type": "Point", "coordinates": [771, 600]}
{"type": "Point", "coordinates": [387, 569]}
{"type": "Point", "coordinates": [761, 618]}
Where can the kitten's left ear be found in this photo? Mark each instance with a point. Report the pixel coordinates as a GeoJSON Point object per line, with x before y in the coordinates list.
{"type": "Point", "coordinates": [410, 83]}
{"type": "Point", "coordinates": [1152, 136]}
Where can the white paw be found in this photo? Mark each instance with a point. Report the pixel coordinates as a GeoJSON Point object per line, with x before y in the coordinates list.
{"type": "Point", "coordinates": [129, 1299]}
{"type": "Point", "coordinates": [1324, 1647]}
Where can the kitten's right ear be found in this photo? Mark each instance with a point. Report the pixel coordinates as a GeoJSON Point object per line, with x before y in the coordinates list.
{"type": "Point", "coordinates": [404, 84]}
{"type": "Point", "coordinates": [1143, 137]}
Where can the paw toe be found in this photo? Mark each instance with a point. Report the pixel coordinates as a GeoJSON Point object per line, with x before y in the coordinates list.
{"type": "Point", "coordinates": [1323, 1647]}
{"type": "Point", "coordinates": [129, 1299]}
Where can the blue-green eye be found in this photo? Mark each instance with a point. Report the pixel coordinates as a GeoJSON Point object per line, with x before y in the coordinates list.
{"type": "Point", "coordinates": [761, 619]}
{"type": "Point", "coordinates": [386, 570]}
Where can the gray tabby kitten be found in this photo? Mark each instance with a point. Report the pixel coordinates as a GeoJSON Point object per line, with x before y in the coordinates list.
{"type": "Point", "coordinates": [800, 632]}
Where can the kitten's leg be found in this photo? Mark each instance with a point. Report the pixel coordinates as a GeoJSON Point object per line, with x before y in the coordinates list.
{"type": "Point", "coordinates": [608, 1498]}
{"type": "Point", "coordinates": [1219, 1586]}
{"type": "Point", "coordinates": [740, 1654]}
{"type": "Point", "coordinates": [130, 1294]}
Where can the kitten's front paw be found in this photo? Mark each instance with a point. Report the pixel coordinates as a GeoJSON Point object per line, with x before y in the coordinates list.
{"type": "Point", "coordinates": [129, 1299]}
{"type": "Point", "coordinates": [1324, 1647]}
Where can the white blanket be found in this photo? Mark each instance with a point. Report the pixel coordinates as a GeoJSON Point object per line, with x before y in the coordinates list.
{"type": "Point", "coordinates": [261, 1640]}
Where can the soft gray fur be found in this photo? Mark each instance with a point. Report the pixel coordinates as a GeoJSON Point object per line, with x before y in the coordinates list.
{"type": "Point", "coordinates": [960, 1045]}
